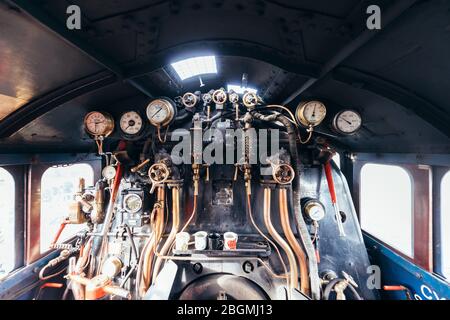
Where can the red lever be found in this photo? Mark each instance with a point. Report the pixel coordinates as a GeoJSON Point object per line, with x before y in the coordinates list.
{"type": "Point", "coordinates": [330, 181]}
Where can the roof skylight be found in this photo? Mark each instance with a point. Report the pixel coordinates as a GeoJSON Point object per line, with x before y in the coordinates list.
{"type": "Point", "coordinates": [196, 66]}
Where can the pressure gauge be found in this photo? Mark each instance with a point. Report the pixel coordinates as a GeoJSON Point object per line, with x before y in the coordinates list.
{"type": "Point", "coordinates": [234, 97]}
{"type": "Point", "coordinates": [132, 203]}
{"type": "Point", "coordinates": [219, 96]}
{"type": "Point", "coordinates": [311, 113]}
{"type": "Point", "coordinates": [160, 112]}
{"type": "Point", "coordinates": [347, 122]}
{"type": "Point", "coordinates": [109, 172]}
{"type": "Point", "coordinates": [189, 100]}
{"type": "Point", "coordinates": [314, 210]}
{"type": "Point", "coordinates": [99, 123]}
{"type": "Point", "coordinates": [131, 123]}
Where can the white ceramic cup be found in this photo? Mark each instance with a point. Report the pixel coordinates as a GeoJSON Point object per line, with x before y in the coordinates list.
{"type": "Point", "coordinates": [230, 240]}
{"type": "Point", "coordinates": [201, 238]}
{"type": "Point", "coordinates": [182, 241]}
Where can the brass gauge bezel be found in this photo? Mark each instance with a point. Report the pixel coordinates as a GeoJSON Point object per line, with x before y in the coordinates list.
{"type": "Point", "coordinates": [310, 204]}
{"type": "Point", "coordinates": [219, 93]}
{"type": "Point", "coordinates": [125, 204]}
{"type": "Point", "coordinates": [335, 125]}
{"type": "Point", "coordinates": [109, 124]}
{"type": "Point", "coordinates": [186, 101]}
{"type": "Point", "coordinates": [170, 110]}
{"type": "Point", "coordinates": [302, 119]}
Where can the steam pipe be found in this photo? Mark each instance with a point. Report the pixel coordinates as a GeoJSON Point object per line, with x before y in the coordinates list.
{"type": "Point", "coordinates": [173, 232]}
{"type": "Point", "coordinates": [293, 273]}
{"type": "Point", "coordinates": [285, 223]}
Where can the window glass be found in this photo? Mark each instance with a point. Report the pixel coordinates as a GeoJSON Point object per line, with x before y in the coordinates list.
{"type": "Point", "coordinates": [337, 159]}
{"type": "Point", "coordinates": [386, 205]}
{"type": "Point", "coordinates": [7, 222]}
{"type": "Point", "coordinates": [58, 186]}
{"type": "Point", "coordinates": [445, 224]}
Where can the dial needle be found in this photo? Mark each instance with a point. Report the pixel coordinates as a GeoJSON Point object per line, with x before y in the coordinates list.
{"type": "Point", "coordinates": [157, 112]}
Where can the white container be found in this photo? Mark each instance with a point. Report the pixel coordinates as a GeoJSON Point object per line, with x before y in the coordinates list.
{"type": "Point", "coordinates": [230, 241]}
{"type": "Point", "coordinates": [182, 241]}
{"type": "Point", "coordinates": [200, 240]}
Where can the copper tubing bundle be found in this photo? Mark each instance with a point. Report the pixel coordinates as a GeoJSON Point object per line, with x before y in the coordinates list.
{"type": "Point", "coordinates": [293, 271]}
{"type": "Point", "coordinates": [82, 263]}
{"type": "Point", "coordinates": [300, 254]}
{"type": "Point", "coordinates": [153, 241]}
{"type": "Point", "coordinates": [173, 231]}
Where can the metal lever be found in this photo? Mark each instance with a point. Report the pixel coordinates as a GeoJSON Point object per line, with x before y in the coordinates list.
{"type": "Point", "coordinates": [329, 175]}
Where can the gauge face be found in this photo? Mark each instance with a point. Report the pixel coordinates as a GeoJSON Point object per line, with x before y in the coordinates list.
{"type": "Point", "coordinates": [315, 210]}
{"type": "Point", "coordinates": [109, 172]}
{"type": "Point", "coordinates": [347, 122]}
{"type": "Point", "coordinates": [311, 113]}
{"type": "Point", "coordinates": [132, 203]}
{"type": "Point", "coordinates": [160, 112]}
{"type": "Point", "coordinates": [189, 100]}
{"type": "Point", "coordinates": [131, 123]}
{"type": "Point", "coordinates": [98, 123]}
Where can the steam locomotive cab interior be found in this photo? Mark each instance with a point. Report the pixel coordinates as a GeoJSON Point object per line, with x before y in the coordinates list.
{"type": "Point", "coordinates": [224, 150]}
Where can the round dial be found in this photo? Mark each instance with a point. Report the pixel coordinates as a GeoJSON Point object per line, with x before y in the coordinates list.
{"type": "Point", "coordinates": [132, 203]}
{"type": "Point", "coordinates": [109, 172]}
{"type": "Point", "coordinates": [311, 113]}
{"type": "Point", "coordinates": [314, 210]}
{"type": "Point", "coordinates": [347, 122]}
{"type": "Point", "coordinates": [131, 123]}
{"type": "Point", "coordinates": [160, 112]}
{"type": "Point", "coordinates": [98, 123]}
{"type": "Point", "coordinates": [189, 100]}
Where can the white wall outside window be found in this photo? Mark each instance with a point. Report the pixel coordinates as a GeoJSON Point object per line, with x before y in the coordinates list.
{"type": "Point", "coordinates": [58, 185]}
{"type": "Point", "coordinates": [7, 222]}
{"type": "Point", "coordinates": [386, 198]}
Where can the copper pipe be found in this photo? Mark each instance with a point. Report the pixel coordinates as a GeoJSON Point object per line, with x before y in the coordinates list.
{"type": "Point", "coordinates": [173, 232]}
{"type": "Point", "coordinates": [301, 257]}
{"type": "Point", "coordinates": [154, 241]}
{"type": "Point", "coordinates": [194, 210]}
{"type": "Point", "coordinates": [293, 273]}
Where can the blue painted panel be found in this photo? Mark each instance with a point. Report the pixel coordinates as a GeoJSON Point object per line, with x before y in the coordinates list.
{"type": "Point", "coordinates": [396, 270]}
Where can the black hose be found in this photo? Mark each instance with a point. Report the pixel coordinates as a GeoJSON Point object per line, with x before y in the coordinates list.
{"type": "Point", "coordinates": [133, 245]}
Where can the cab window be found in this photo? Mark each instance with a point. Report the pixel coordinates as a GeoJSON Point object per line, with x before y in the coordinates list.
{"type": "Point", "coordinates": [7, 222]}
{"type": "Point", "coordinates": [58, 185]}
{"type": "Point", "coordinates": [386, 204]}
{"type": "Point", "coordinates": [445, 225]}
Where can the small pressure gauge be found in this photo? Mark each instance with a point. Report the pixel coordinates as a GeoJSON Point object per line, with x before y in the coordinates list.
{"type": "Point", "coordinates": [314, 210]}
{"type": "Point", "coordinates": [131, 123]}
{"type": "Point", "coordinates": [160, 112]}
{"type": "Point", "coordinates": [347, 122]}
{"type": "Point", "coordinates": [311, 113]}
{"type": "Point", "coordinates": [99, 123]}
{"type": "Point", "coordinates": [109, 172]}
{"type": "Point", "coordinates": [132, 203]}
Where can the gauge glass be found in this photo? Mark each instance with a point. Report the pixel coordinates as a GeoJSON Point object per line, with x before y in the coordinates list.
{"type": "Point", "coordinates": [109, 172]}
{"type": "Point", "coordinates": [311, 113]}
{"type": "Point", "coordinates": [98, 123]}
{"type": "Point", "coordinates": [347, 122]}
{"type": "Point", "coordinates": [132, 203]}
{"type": "Point", "coordinates": [315, 210]}
{"type": "Point", "coordinates": [160, 112]}
{"type": "Point", "coordinates": [131, 123]}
